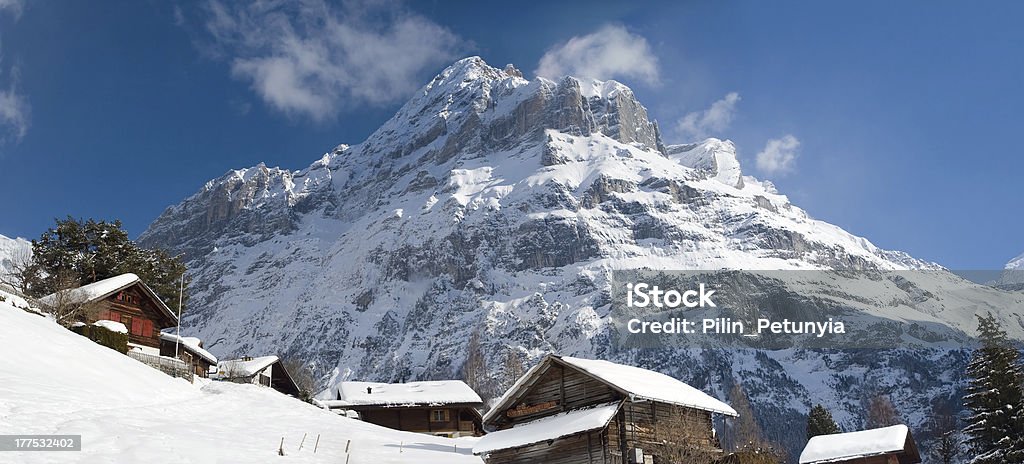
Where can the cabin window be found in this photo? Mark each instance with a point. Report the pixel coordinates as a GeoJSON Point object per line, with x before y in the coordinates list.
{"type": "Point", "coordinates": [439, 415]}
{"type": "Point", "coordinates": [125, 298]}
{"type": "Point", "coordinates": [264, 380]}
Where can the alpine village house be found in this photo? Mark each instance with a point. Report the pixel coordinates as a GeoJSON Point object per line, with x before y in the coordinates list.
{"type": "Point", "coordinates": [127, 300]}
{"type": "Point", "coordinates": [571, 411]}
{"type": "Point", "coordinates": [266, 371]}
{"type": "Point", "coordinates": [886, 445]}
{"type": "Point", "coordinates": [442, 407]}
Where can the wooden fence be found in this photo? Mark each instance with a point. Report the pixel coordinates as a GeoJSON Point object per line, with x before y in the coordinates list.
{"type": "Point", "coordinates": [170, 366]}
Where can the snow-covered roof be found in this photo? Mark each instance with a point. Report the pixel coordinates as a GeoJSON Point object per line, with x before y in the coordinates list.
{"type": "Point", "coordinates": [650, 385]}
{"type": "Point", "coordinates": [639, 383]}
{"type": "Point", "coordinates": [241, 368]}
{"type": "Point", "coordinates": [548, 428]}
{"type": "Point", "coordinates": [111, 326]}
{"type": "Point", "coordinates": [101, 289]}
{"type": "Point", "coordinates": [190, 344]}
{"type": "Point", "coordinates": [434, 392]}
{"type": "Point", "coordinates": [851, 445]}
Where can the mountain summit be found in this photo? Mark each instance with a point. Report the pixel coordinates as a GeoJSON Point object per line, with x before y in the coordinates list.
{"type": "Point", "coordinates": [487, 197]}
{"type": "Point", "coordinates": [497, 205]}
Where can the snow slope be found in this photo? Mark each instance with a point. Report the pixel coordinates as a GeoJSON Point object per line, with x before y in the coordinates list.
{"type": "Point", "coordinates": [55, 382]}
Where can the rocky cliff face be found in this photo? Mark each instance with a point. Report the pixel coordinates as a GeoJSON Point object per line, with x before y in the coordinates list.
{"type": "Point", "coordinates": [491, 203]}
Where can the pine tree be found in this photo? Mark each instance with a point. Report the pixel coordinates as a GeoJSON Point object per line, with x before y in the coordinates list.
{"type": "Point", "coordinates": [89, 251]}
{"type": "Point", "coordinates": [995, 398]}
{"type": "Point", "coordinates": [820, 422]}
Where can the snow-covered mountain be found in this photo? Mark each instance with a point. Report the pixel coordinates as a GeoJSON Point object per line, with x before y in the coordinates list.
{"type": "Point", "coordinates": [1016, 263]}
{"type": "Point", "coordinates": [1013, 273]}
{"type": "Point", "coordinates": [502, 205]}
{"type": "Point", "coordinates": [13, 250]}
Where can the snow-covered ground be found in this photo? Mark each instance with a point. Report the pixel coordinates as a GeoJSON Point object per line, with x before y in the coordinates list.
{"type": "Point", "coordinates": [53, 381]}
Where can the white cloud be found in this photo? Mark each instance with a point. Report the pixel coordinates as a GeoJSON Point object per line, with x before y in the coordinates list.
{"type": "Point", "coordinates": [700, 125]}
{"type": "Point", "coordinates": [14, 115]}
{"type": "Point", "coordinates": [610, 52]}
{"type": "Point", "coordinates": [311, 59]}
{"type": "Point", "coordinates": [14, 6]}
{"type": "Point", "coordinates": [779, 155]}
{"type": "Point", "coordinates": [14, 107]}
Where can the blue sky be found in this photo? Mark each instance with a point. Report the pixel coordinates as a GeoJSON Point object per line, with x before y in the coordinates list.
{"type": "Point", "coordinates": [896, 121]}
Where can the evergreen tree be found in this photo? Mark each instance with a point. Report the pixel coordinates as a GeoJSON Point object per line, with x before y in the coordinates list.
{"type": "Point", "coordinates": [995, 398]}
{"type": "Point", "coordinates": [820, 422]}
{"type": "Point", "coordinates": [90, 251]}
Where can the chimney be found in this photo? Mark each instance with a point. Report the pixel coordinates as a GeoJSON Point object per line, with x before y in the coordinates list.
{"type": "Point", "coordinates": [369, 390]}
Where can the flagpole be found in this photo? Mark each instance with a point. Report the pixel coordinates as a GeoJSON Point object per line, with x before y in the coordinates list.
{"type": "Point", "coordinates": [181, 294]}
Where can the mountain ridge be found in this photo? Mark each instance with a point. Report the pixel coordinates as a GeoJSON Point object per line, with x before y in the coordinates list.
{"type": "Point", "coordinates": [498, 205]}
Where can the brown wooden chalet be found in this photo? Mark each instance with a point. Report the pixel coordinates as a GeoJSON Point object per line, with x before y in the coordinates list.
{"type": "Point", "coordinates": [190, 350]}
{"type": "Point", "coordinates": [440, 407]}
{"type": "Point", "coordinates": [125, 299]}
{"type": "Point", "coordinates": [266, 371]}
{"type": "Point", "coordinates": [887, 445]}
{"type": "Point", "coordinates": [571, 411]}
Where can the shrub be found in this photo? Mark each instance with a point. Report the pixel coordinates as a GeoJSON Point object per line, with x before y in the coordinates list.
{"type": "Point", "coordinates": [108, 338]}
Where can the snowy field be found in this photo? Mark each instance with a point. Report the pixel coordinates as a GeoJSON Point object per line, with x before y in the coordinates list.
{"type": "Point", "coordinates": [53, 381]}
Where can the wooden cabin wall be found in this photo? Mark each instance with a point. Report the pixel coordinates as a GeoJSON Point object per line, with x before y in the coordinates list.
{"type": "Point", "coordinates": [565, 386]}
{"type": "Point", "coordinates": [670, 433]}
{"type": "Point", "coordinates": [416, 420]}
{"type": "Point", "coordinates": [137, 311]}
{"type": "Point", "coordinates": [585, 448]}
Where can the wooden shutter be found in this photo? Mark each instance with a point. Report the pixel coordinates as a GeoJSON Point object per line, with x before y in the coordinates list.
{"type": "Point", "coordinates": [147, 327]}
{"type": "Point", "coordinates": [137, 326]}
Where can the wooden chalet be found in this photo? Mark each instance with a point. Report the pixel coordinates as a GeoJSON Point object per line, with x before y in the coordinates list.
{"type": "Point", "coordinates": [190, 351]}
{"type": "Point", "coordinates": [125, 299]}
{"type": "Point", "coordinates": [266, 371]}
{"type": "Point", "coordinates": [887, 445]}
{"type": "Point", "coordinates": [443, 407]}
{"type": "Point", "coordinates": [573, 411]}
